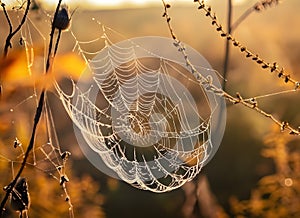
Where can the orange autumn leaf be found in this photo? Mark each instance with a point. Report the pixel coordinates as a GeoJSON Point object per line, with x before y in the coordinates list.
{"type": "Point", "coordinates": [16, 73]}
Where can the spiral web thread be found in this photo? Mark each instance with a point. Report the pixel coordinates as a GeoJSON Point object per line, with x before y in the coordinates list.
{"type": "Point", "coordinates": [139, 141]}
{"type": "Point", "coordinates": [164, 166]}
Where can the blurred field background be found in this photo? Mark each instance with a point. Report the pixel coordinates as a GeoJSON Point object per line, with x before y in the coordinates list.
{"type": "Point", "coordinates": [247, 156]}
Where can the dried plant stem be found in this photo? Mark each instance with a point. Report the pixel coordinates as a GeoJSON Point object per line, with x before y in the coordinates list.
{"type": "Point", "coordinates": [258, 6]}
{"type": "Point", "coordinates": [272, 67]}
{"type": "Point", "coordinates": [207, 83]}
{"type": "Point", "coordinates": [37, 117]}
{"type": "Point", "coordinates": [242, 18]}
{"type": "Point", "coordinates": [11, 31]}
{"type": "Point", "coordinates": [227, 46]}
{"type": "Point", "coordinates": [57, 42]}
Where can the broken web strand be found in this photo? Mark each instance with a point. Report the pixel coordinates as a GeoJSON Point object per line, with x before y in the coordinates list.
{"type": "Point", "coordinates": [273, 94]}
{"type": "Point", "coordinates": [47, 158]}
{"type": "Point", "coordinates": [82, 112]}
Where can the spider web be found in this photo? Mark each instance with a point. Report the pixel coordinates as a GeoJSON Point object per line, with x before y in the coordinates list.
{"type": "Point", "coordinates": [122, 111]}
{"type": "Point", "coordinates": [149, 129]}
{"type": "Point", "coordinates": [155, 118]}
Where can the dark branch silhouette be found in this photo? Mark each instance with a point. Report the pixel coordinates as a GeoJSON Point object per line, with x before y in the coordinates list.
{"type": "Point", "coordinates": [37, 117]}
{"type": "Point", "coordinates": [227, 46]}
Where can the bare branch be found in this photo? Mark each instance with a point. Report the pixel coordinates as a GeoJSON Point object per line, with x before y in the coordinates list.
{"type": "Point", "coordinates": [11, 32]}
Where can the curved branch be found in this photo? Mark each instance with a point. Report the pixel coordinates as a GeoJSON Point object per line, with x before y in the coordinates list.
{"type": "Point", "coordinates": [11, 32]}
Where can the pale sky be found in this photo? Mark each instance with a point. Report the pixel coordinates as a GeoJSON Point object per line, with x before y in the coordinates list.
{"type": "Point", "coordinates": [122, 3]}
{"type": "Point", "coordinates": [116, 3]}
{"type": "Point", "coordinates": [113, 3]}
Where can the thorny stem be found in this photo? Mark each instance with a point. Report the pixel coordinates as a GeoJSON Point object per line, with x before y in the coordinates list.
{"type": "Point", "coordinates": [37, 117]}
{"type": "Point", "coordinates": [208, 85]}
{"type": "Point", "coordinates": [227, 47]}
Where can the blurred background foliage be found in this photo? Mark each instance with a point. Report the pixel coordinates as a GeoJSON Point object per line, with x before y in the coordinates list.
{"type": "Point", "coordinates": [256, 170]}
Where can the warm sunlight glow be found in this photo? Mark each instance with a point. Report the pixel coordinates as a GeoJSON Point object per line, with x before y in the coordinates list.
{"type": "Point", "coordinates": [125, 3]}
{"type": "Point", "coordinates": [120, 2]}
{"type": "Point", "coordinates": [96, 4]}
{"type": "Point", "coordinates": [239, 2]}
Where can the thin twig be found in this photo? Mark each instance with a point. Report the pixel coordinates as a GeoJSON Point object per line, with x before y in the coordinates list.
{"type": "Point", "coordinates": [242, 18]}
{"type": "Point", "coordinates": [208, 85]}
{"type": "Point", "coordinates": [227, 46]}
{"type": "Point", "coordinates": [11, 32]}
{"type": "Point", "coordinates": [8, 20]}
{"type": "Point", "coordinates": [258, 6]}
{"type": "Point", "coordinates": [37, 117]}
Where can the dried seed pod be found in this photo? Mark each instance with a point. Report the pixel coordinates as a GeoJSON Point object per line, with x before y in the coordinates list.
{"type": "Point", "coordinates": [17, 143]}
{"type": "Point", "coordinates": [65, 155]}
{"type": "Point", "coordinates": [63, 179]}
{"type": "Point", "coordinates": [297, 85]}
{"type": "Point", "coordinates": [62, 20]}
{"type": "Point", "coordinates": [287, 78]}
{"type": "Point", "coordinates": [284, 125]}
{"type": "Point", "coordinates": [20, 200]}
